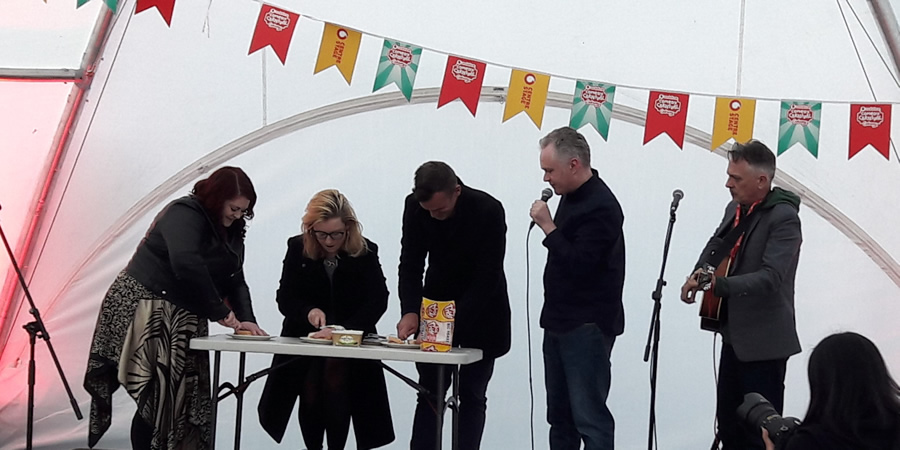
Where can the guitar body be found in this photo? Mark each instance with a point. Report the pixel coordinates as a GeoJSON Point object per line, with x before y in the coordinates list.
{"type": "Point", "coordinates": [711, 306]}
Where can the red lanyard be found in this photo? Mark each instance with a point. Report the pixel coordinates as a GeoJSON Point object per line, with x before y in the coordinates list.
{"type": "Point", "coordinates": [737, 220]}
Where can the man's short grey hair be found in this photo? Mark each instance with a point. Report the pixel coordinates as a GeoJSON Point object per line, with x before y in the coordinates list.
{"type": "Point", "coordinates": [757, 155]}
{"type": "Point", "coordinates": [569, 144]}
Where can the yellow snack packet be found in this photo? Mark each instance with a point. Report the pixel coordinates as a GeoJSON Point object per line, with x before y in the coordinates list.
{"type": "Point", "coordinates": [436, 326]}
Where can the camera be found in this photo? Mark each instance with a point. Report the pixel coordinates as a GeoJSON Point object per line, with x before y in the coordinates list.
{"type": "Point", "coordinates": [758, 412]}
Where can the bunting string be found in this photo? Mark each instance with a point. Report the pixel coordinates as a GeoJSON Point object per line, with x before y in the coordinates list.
{"type": "Point", "coordinates": [575, 78]}
{"type": "Point", "coordinates": [593, 102]}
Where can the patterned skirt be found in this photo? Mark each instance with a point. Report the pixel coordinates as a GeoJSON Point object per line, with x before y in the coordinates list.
{"type": "Point", "coordinates": [141, 342]}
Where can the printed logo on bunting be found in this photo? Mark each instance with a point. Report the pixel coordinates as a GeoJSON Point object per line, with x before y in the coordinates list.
{"type": "Point", "coordinates": [870, 125]}
{"type": "Point", "coordinates": [799, 124]}
{"type": "Point", "coordinates": [527, 92]}
{"type": "Point", "coordinates": [666, 113]}
{"type": "Point", "coordinates": [593, 104]}
{"type": "Point", "coordinates": [462, 80]}
{"type": "Point", "coordinates": [398, 64]}
{"type": "Point", "coordinates": [339, 47]}
{"type": "Point", "coordinates": [165, 8]}
{"type": "Point", "coordinates": [733, 120]}
{"type": "Point", "coordinates": [274, 27]}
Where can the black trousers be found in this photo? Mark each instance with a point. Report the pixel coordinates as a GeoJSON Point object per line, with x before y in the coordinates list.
{"type": "Point", "coordinates": [737, 378]}
{"type": "Point", "coordinates": [141, 433]}
{"type": "Point", "coordinates": [473, 381]}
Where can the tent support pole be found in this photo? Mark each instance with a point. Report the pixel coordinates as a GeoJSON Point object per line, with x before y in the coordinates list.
{"type": "Point", "coordinates": [887, 21]}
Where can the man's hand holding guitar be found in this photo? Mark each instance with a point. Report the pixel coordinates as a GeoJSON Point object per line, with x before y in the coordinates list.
{"type": "Point", "coordinates": [701, 280]}
{"type": "Point", "coordinates": [704, 279]}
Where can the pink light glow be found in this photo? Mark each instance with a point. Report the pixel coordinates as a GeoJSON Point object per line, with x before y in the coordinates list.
{"type": "Point", "coordinates": [35, 126]}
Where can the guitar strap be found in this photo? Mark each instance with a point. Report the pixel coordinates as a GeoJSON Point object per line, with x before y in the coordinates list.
{"type": "Point", "coordinates": [719, 252]}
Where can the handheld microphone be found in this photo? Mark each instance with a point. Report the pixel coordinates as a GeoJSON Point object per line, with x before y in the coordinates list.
{"type": "Point", "coordinates": [545, 195]}
{"type": "Point", "coordinates": [677, 195]}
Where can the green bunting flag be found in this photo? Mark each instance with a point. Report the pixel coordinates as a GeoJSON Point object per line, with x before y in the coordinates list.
{"type": "Point", "coordinates": [111, 4]}
{"type": "Point", "coordinates": [398, 64]}
{"type": "Point", "coordinates": [799, 124]}
{"type": "Point", "coordinates": [593, 104]}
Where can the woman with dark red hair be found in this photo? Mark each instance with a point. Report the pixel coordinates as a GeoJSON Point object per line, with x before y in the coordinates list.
{"type": "Point", "coordinates": [186, 270]}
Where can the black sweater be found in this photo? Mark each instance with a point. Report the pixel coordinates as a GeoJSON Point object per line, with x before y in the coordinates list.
{"type": "Point", "coordinates": [585, 268]}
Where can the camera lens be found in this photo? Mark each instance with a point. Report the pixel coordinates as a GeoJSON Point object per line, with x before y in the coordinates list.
{"type": "Point", "coordinates": [757, 412]}
{"type": "Point", "coordinates": [756, 409]}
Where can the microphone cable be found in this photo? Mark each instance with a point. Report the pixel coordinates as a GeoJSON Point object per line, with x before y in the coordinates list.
{"type": "Point", "coordinates": [545, 195]}
{"type": "Point", "coordinates": [528, 330]}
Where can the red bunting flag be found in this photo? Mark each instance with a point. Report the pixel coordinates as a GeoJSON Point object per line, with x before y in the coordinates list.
{"type": "Point", "coordinates": [165, 8]}
{"type": "Point", "coordinates": [666, 113]}
{"type": "Point", "coordinates": [462, 80]}
{"type": "Point", "coordinates": [274, 27]}
{"type": "Point", "coordinates": [870, 124]}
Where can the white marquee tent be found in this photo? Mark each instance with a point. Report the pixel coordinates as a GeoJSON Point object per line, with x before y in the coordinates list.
{"type": "Point", "coordinates": [81, 177]}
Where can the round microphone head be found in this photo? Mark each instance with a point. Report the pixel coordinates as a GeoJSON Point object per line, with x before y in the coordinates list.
{"type": "Point", "coordinates": [546, 194]}
{"type": "Point", "coordinates": [678, 193]}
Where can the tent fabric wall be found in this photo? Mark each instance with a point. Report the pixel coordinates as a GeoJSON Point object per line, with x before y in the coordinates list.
{"type": "Point", "coordinates": [177, 95]}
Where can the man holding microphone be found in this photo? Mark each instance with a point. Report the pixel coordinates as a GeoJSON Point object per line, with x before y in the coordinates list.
{"type": "Point", "coordinates": [583, 279]}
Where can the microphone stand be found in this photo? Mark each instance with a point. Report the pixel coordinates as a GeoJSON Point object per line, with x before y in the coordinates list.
{"type": "Point", "coordinates": [36, 329]}
{"type": "Point", "coordinates": [654, 330]}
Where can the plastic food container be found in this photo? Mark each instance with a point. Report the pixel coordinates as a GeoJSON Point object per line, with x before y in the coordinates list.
{"type": "Point", "coordinates": [346, 338]}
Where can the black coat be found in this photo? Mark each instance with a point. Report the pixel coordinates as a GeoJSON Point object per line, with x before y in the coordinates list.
{"type": "Point", "coordinates": [356, 299]}
{"type": "Point", "coordinates": [465, 256]}
{"type": "Point", "coordinates": [184, 259]}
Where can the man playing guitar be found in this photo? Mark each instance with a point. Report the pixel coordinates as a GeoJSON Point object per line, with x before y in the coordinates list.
{"type": "Point", "coordinates": [754, 251]}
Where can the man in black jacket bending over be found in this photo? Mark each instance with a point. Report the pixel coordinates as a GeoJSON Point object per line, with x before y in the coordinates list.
{"type": "Point", "coordinates": [462, 232]}
{"type": "Point", "coordinates": [583, 280]}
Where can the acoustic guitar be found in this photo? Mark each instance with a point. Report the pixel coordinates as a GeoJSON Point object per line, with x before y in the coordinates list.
{"type": "Point", "coordinates": [711, 306]}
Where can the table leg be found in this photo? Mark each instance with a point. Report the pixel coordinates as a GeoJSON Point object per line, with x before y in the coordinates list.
{"type": "Point", "coordinates": [240, 403]}
{"type": "Point", "coordinates": [439, 407]}
{"type": "Point", "coordinates": [217, 358]}
{"type": "Point", "coordinates": [454, 405]}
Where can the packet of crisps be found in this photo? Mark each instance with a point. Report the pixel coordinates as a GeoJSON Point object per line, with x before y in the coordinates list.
{"type": "Point", "coordinates": [436, 326]}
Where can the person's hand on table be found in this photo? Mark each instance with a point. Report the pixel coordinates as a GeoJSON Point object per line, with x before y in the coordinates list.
{"type": "Point", "coordinates": [324, 333]}
{"type": "Point", "coordinates": [253, 328]}
{"type": "Point", "coordinates": [408, 325]}
{"type": "Point", "coordinates": [316, 317]}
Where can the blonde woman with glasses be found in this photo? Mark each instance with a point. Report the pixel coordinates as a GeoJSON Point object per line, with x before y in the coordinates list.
{"type": "Point", "coordinates": [331, 276]}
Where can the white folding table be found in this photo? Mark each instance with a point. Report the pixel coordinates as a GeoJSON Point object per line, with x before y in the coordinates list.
{"type": "Point", "coordinates": [293, 346]}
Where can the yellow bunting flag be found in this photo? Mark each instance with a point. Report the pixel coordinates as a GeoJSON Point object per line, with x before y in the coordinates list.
{"type": "Point", "coordinates": [340, 46]}
{"type": "Point", "coordinates": [734, 119]}
{"type": "Point", "coordinates": [527, 92]}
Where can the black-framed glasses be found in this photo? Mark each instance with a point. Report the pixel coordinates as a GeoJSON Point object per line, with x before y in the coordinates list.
{"type": "Point", "coordinates": [334, 235]}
